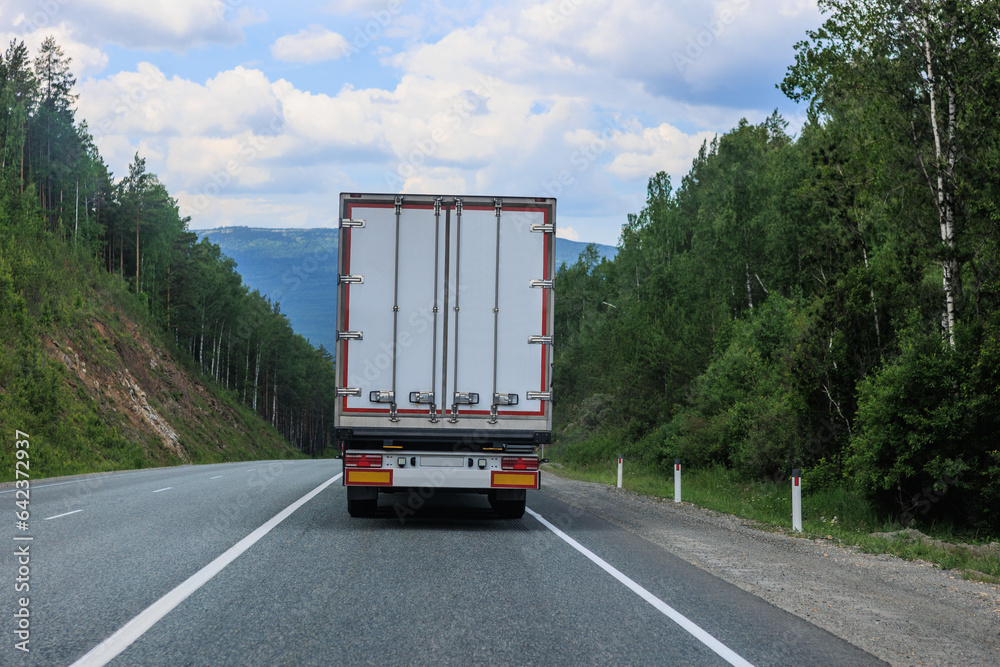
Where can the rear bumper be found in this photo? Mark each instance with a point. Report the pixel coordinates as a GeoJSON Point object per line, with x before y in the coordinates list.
{"type": "Point", "coordinates": [445, 435]}
{"type": "Point", "coordinates": [413, 474]}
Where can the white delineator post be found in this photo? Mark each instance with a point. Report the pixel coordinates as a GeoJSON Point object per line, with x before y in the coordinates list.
{"type": "Point", "coordinates": [797, 500]}
{"type": "Point", "coordinates": [677, 480]}
{"type": "Point", "coordinates": [619, 471]}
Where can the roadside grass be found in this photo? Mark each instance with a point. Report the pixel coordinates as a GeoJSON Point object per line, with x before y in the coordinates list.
{"type": "Point", "coordinates": [838, 515]}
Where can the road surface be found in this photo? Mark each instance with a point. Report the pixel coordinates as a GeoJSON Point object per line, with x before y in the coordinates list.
{"type": "Point", "coordinates": [260, 564]}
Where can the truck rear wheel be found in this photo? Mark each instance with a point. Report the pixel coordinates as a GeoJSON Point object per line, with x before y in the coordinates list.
{"type": "Point", "coordinates": [509, 508]}
{"type": "Point", "coordinates": [361, 502]}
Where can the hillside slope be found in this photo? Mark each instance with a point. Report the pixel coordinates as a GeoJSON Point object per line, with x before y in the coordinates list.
{"type": "Point", "coordinates": [84, 373]}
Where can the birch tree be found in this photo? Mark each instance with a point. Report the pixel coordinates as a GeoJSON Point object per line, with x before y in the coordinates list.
{"type": "Point", "coordinates": [924, 71]}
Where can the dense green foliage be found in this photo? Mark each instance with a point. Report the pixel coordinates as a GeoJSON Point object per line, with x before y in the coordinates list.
{"type": "Point", "coordinates": [59, 204]}
{"type": "Point", "coordinates": [829, 301]}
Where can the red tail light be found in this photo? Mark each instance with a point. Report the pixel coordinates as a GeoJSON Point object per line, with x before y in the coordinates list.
{"type": "Point", "coordinates": [363, 460]}
{"type": "Point", "coordinates": [518, 463]}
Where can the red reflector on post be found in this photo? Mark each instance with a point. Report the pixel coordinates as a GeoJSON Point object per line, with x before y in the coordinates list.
{"type": "Point", "coordinates": [363, 460]}
{"type": "Point", "coordinates": [519, 463]}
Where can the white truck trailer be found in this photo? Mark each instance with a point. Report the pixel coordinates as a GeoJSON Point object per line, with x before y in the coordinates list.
{"type": "Point", "coordinates": [444, 346]}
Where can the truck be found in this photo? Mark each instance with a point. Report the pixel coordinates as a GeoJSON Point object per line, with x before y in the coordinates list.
{"type": "Point", "coordinates": [444, 347]}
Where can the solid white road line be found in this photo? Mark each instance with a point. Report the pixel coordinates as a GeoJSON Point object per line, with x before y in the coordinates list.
{"type": "Point", "coordinates": [166, 488]}
{"type": "Point", "coordinates": [49, 518]}
{"type": "Point", "coordinates": [107, 650]}
{"type": "Point", "coordinates": [35, 487]}
{"type": "Point", "coordinates": [89, 478]}
{"type": "Point", "coordinates": [708, 640]}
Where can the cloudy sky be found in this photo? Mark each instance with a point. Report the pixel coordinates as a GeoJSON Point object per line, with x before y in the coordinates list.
{"type": "Point", "coordinates": [259, 113]}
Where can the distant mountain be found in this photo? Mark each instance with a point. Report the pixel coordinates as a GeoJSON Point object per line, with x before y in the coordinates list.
{"type": "Point", "coordinates": [297, 268]}
{"type": "Point", "coordinates": [567, 252]}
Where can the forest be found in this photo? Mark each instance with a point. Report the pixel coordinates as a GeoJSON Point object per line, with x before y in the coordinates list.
{"type": "Point", "coordinates": [825, 301]}
{"type": "Point", "coordinates": [59, 200]}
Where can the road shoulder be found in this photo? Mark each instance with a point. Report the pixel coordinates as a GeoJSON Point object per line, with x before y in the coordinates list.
{"type": "Point", "coordinates": [903, 612]}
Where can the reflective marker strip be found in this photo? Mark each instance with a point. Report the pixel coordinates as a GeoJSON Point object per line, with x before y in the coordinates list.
{"type": "Point", "coordinates": [369, 477]}
{"type": "Point", "coordinates": [514, 480]}
{"type": "Point", "coordinates": [708, 640]}
{"type": "Point", "coordinates": [107, 650]}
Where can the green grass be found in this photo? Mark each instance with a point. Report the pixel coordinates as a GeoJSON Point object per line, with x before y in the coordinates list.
{"type": "Point", "coordinates": [840, 515]}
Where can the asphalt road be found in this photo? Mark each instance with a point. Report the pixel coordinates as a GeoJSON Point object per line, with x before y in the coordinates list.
{"type": "Point", "coordinates": [186, 551]}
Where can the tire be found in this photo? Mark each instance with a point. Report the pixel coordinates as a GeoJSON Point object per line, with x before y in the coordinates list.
{"type": "Point", "coordinates": [360, 507]}
{"type": "Point", "coordinates": [508, 509]}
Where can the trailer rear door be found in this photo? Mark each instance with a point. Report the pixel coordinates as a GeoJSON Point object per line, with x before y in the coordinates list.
{"type": "Point", "coordinates": [445, 312]}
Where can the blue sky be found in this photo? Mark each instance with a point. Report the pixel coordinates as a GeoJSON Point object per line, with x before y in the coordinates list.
{"type": "Point", "coordinates": [259, 113]}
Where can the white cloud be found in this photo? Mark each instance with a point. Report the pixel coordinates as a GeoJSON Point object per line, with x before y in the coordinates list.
{"type": "Point", "coordinates": [178, 25]}
{"type": "Point", "coordinates": [647, 150]}
{"type": "Point", "coordinates": [312, 45]}
{"type": "Point", "coordinates": [358, 6]}
{"type": "Point", "coordinates": [86, 60]}
{"type": "Point", "coordinates": [567, 233]}
{"type": "Point", "coordinates": [570, 98]}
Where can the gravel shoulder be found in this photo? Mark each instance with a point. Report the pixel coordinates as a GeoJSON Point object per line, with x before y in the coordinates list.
{"type": "Point", "coordinates": [906, 613]}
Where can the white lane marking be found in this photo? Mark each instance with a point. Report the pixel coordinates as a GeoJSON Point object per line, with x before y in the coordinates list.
{"type": "Point", "coordinates": [216, 477]}
{"type": "Point", "coordinates": [107, 650]}
{"type": "Point", "coordinates": [708, 640]}
{"type": "Point", "coordinates": [89, 478]}
{"type": "Point", "coordinates": [35, 487]}
{"type": "Point", "coordinates": [166, 488]}
{"type": "Point", "coordinates": [49, 518]}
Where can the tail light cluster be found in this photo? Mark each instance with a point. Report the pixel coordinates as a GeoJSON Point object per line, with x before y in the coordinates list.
{"type": "Point", "coordinates": [519, 463]}
{"type": "Point", "coordinates": [363, 460]}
